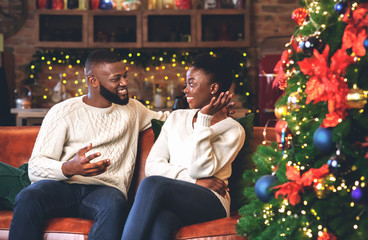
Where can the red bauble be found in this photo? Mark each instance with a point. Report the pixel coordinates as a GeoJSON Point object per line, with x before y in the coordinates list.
{"type": "Point", "coordinates": [299, 15]}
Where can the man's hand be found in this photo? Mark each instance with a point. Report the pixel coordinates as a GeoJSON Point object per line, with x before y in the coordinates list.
{"type": "Point", "coordinates": [81, 165]}
{"type": "Point", "coordinates": [217, 104]}
{"type": "Point", "coordinates": [214, 184]}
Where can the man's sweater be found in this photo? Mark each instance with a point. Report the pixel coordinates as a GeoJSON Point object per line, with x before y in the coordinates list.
{"type": "Point", "coordinates": [72, 125]}
{"type": "Point", "coordinates": [186, 152]}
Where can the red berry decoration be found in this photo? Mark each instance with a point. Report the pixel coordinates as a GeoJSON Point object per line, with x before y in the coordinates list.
{"type": "Point", "coordinates": [299, 15]}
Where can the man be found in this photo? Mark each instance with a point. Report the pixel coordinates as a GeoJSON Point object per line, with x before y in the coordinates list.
{"type": "Point", "coordinates": [84, 156]}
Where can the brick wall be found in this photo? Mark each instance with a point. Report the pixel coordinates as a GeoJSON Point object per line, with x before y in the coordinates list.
{"type": "Point", "coordinates": [270, 18]}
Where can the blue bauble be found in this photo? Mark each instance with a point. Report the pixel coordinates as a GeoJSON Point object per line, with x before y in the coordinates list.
{"type": "Point", "coordinates": [365, 43]}
{"type": "Point", "coordinates": [262, 187]}
{"type": "Point", "coordinates": [359, 195]}
{"type": "Point", "coordinates": [340, 7]}
{"type": "Point", "coordinates": [322, 139]}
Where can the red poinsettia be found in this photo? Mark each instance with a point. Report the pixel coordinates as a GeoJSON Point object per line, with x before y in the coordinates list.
{"type": "Point", "coordinates": [355, 32]}
{"type": "Point", "coordinates": [327, 83]}
{"type": "Point", "coordinates": [280, 80]}
{"type": "Point", "coordinates": [327, 236]}
{"type": "Point", "coordinates": [292, 189]}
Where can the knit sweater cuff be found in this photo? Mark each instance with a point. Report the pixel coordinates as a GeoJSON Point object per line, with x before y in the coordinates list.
{"type": "Point", "coordinates": [204, 119]}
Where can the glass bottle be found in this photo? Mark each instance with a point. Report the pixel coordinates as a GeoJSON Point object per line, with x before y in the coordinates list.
{"type": "Point", "coordinates": [83, 4]}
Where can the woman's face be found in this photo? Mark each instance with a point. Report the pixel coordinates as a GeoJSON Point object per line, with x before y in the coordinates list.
{"type": "Point", "coordinates": [198, 88]}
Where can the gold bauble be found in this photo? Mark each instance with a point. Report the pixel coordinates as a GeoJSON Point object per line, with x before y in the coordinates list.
{"type": "Point", "coordinates": [281, 111]}
{"type": "Point", "coordinates": [293, 101]}
{"type": "Point", "coordinates": [356, 98]}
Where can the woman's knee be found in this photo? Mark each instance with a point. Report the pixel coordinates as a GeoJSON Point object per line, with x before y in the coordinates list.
{"type": "Point", "coordinates": [152, 182]}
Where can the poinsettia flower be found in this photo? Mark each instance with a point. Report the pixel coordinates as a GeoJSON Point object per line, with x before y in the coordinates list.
{"type": "Point", "coordinates": [355, 33]}
{"type": "Point", "coordinates": [280, 80]}
{"type": "Point", "coordinates": [327, 82]}
{"type": "Point", "coordinates": [327, 236]}
{"type": "Point", "coordinates": [292, 189]}
{"type": "Point", "coordinates": [354, 38]}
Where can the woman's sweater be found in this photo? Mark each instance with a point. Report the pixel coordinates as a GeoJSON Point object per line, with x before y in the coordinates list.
{"type": "Point", "coordinates": [72, 125]}
{"type": "Point", "coordinates": [189, 152]}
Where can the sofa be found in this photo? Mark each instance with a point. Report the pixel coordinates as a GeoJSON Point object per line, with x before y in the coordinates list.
{"type": "Point", "coordinates": [16, 144]}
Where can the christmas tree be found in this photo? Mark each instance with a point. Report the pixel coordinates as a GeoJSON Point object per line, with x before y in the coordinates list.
{"type": "Point", "coordinates": [312, 182]}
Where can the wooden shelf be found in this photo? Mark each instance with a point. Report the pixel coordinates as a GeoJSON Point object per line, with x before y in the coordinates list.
{"type": "Point", "coordinates": [223, 27]}
{"type": "Point", "coordinates": [117, 29]}
{"type": "Point", "coordinates": [57, 28]}
{"type": "Point", "coordinates": [165, 28]}
{"type": "Point", "coordinates": [169, 28]}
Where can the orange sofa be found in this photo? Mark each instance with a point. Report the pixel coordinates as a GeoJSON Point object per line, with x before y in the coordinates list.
{"type": "Point", "coordinates": [16, 144]}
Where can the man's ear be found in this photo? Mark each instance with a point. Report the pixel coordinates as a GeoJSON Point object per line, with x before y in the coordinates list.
{"type": "Point", "coordinates": [92, 80]}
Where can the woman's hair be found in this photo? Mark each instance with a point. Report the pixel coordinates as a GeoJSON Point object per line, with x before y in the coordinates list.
{"type": "Point", "coordinates": [219, 68]}
{"type": "Point", "coordinates": [101, 56]}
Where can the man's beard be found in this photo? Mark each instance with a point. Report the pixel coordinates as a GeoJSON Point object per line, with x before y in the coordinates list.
{"type": "Point", "coordinates": [113, 97]}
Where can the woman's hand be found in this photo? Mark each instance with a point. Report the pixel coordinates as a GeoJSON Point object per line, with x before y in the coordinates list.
{"type": "Point", "coordinates": [217, 104]}
{"type": "Point", "coordinates": [215, 184]}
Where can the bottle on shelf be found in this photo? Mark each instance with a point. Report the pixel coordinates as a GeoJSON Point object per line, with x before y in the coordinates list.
{"type": "Point", "coordinates": [95, 4]}
{"type": "Point", "coordinates": [72, 4]}
{"type": "Point", "coordinates": [83, 4]}
{"type": "Point", "coordinates": [41, 4]}
{"type": "Point", "coordinates": [160, 97]}
{"type": "Point", "coordinates": [57, 4]}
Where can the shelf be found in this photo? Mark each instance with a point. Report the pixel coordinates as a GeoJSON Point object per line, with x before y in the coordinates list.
{"type": "Point", "coordinates": [223, 27]}
{"type": "Point", "coordinates": [169, 28]}
{"type": "Point", "coordinates": [142, 28]}
{"type": "Point", "coordinates": [118, 29]}
{"type": "Point", "coordinates": [61, 28]}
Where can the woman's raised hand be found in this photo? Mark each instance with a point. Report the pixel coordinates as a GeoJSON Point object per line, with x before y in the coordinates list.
{"type": "Point", "coordinates": [217, 103]}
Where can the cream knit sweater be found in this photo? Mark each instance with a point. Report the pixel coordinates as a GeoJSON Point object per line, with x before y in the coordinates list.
{"type": "Point", "coordinates": [186, 152]}
{"type": "Point", "coordinates": [72, 125]}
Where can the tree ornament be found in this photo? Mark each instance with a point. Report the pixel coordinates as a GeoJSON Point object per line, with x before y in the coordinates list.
{"type": "Point", "coordinates": [262, 187]}
{"type": "Point", "coordinates": [283, 134]}
{"type": "Point", "coordinates": [341, 7]}
{"type": "Point", "coordinates": [322, 139]}
{"type": "Point", "coordinates": [293, 101]}
{"type": "Point", "coordinates": [337, 164]}
{"type": "Point", "coordinates": [365, 43]}
{"type": "Point", "coordinates": [281, 111]}
{"type": "Point", "coordinates": [310, 44]}
{"type": "Point", "coordinates": [299, 15]}
{"type": "Point", "coordinates": [356, 98]}
{"type": "Point", "coordinates": [359, 195]}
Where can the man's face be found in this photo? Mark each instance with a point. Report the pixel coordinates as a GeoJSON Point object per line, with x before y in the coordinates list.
{"type": "Point", "coordinates": [113, 82]}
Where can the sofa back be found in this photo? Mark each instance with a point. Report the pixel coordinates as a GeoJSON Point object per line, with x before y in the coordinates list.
{"type": "Point", "coordinates": [16, 145]}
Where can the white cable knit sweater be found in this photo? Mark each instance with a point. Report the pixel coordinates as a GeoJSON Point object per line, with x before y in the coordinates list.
{"type": "Point", "coordinates": [188, 153]}
{"type": "Point", "coordinates": [72, 125]}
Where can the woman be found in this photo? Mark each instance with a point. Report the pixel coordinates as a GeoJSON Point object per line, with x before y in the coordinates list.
{"type": "Point", "coordinates": [189, 164]}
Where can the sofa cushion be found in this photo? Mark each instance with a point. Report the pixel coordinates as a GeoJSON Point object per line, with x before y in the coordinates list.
{"type": "Point", "coordinates": [12, 181]}
{"type": "Point", "coordinates": [242, 162]}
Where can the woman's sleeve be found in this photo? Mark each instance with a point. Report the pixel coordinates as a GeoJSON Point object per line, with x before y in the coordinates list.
{"type": "Point", "coordinates": [211, 152]}
{"type": "Point", "coordinates": [158, 160]}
